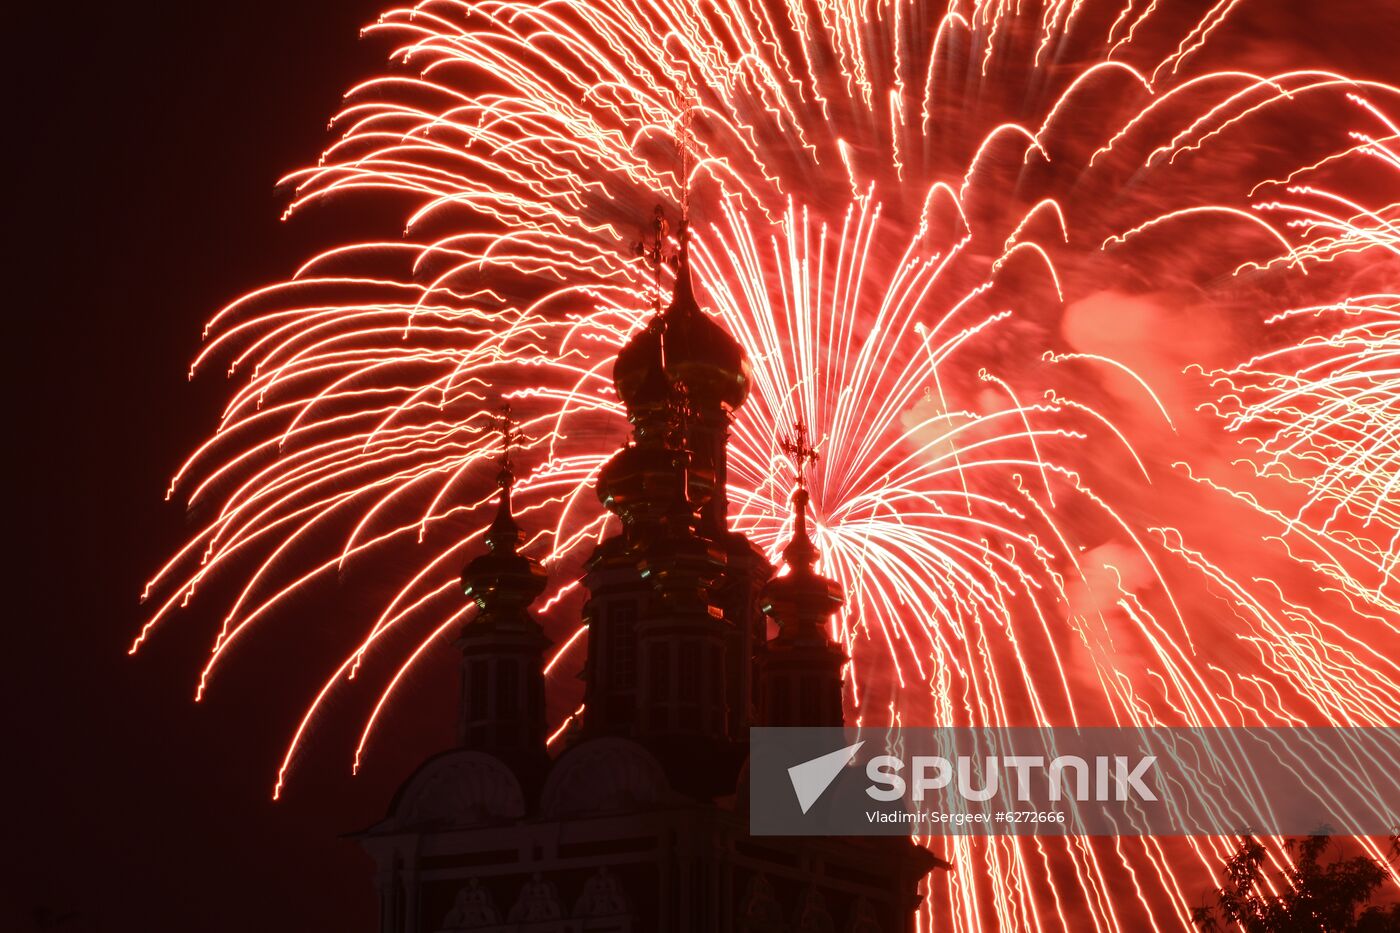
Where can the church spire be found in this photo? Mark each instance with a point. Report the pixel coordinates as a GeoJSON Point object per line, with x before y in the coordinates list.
{"type": "Point", "coordinates": [685, 142]}
{"type": "Point", "coordinates": [801, 553]}
{"type": "Point", "coordinates": [503, 582]}
{"type": "Point", "coordinates": [801, 666]}
{"type": "Point", "coordinates": [504, 534]}
{"type": "Point", "coordinates": [502, 708]}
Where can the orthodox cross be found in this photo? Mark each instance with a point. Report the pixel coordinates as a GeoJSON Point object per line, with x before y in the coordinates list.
{"type": "Point", "coordinates": [650, 245]}
{"type": "Point", "coordinates": [800, 450]}
{"type": "Point", "coordinates": [503, 533]}
{"type": "Point", "coordinates": [652, 250]}
{"type": "Point", "coordinates": [506, 425]}
{"type": "Point", "coordinates": [685, 142]}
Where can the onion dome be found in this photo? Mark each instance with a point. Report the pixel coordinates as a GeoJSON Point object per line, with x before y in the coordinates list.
{"type": "Point", "coordinates": [503, 582]}
{"type": "Point", "coordinates": [642, 482]}
{"type": "Point", "coordinates": [683, 345]}
{"type": "Point", "coordinates": [637, 371]}
{"type": "Point", "coordinates": [700, 354]}
{"type": "Point", "coordinates": [803, 601]}
{"type": "Point", "coordinates": [800, 668]}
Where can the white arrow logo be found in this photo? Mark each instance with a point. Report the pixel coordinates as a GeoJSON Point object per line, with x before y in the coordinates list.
{"type": "Point", "coordinates": [811, 778]}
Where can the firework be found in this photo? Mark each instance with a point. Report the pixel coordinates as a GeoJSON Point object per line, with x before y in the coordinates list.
{"type": "Point", "coordinates": [1318, 408]}
{"type": "Point", "coordinates": [894, 208]}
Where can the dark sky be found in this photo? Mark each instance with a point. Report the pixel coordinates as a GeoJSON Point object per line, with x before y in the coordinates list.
{"type": "Point", "coordinates": [151, 136]}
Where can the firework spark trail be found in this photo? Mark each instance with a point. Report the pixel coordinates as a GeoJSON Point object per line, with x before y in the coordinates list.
{"type": "Point", "coordinates": [892, 206]}
{"type": "Point", "coordinates": [1320, 408]}
{"type": "Point", "coordinates": [1317, 414]}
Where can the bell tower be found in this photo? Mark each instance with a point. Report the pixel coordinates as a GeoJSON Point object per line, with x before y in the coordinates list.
{"type": "Point", "coordinates": [502, 708]}
{"type": "Point", "coordinates": [661, 649]}
{"type": "Point", "coordinates": [637, 819]}
{"type": "Point", "coordinates": [800, 671]}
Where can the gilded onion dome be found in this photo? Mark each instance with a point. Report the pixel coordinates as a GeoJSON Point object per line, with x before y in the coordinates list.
{"type": "Point", "coordinates": [683, 346]}
{"type": "Point", "coordinates": [503, 582]}
{"type": "Point", "coordinates": [802, 601]}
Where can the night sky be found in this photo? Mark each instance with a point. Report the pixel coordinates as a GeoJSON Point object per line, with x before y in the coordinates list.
{"type": "Point", "coordinates": [151, 137]}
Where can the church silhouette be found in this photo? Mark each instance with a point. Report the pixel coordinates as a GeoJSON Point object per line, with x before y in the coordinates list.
{"type": "Point", "coordinates": [638, 823]}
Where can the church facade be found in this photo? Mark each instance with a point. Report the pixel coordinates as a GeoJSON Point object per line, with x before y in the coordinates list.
{"type": "Point", "coordinates": [637, 821]}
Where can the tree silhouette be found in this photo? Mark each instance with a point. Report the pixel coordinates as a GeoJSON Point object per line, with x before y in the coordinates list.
{"type": "Point", "coordinates": [1313, 896]}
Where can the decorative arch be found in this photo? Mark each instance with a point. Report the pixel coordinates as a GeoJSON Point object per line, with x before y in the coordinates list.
{"type": "Point", "coordinates": [461, 788]}
{"type": "Point", "coordinates": [604, 775]}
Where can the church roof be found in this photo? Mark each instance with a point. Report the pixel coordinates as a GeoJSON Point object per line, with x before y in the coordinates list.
{"type": "Point", "coordinates": [503, 582]}
{"type": "Point", "coordinates": [683, 345]}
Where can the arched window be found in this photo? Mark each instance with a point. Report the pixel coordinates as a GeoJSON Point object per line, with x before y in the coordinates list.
{"type": "Point", "coordinates": [689, 674]}
{"type": "Point", "coordinates": [508, 689]}
{"type": "Point", "coordinates": [622, 643]}
{"type": "Point", "coordinates": [477, 690]}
